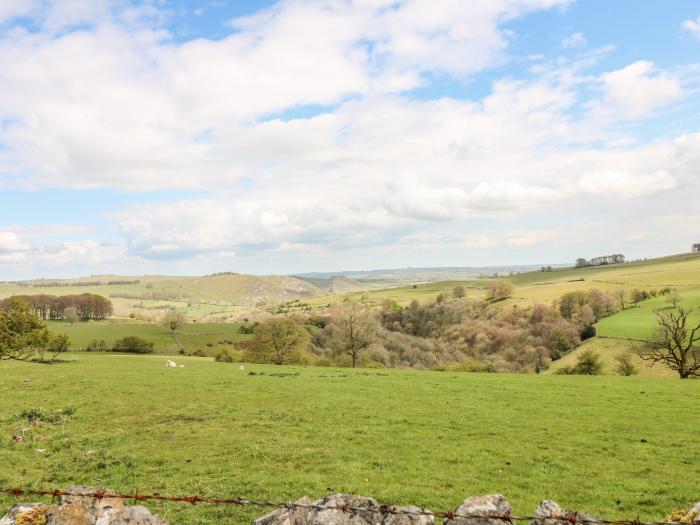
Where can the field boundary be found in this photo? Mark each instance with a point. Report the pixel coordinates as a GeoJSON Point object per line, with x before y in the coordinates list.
{"type": "Point", "coordinates": [571, 518]}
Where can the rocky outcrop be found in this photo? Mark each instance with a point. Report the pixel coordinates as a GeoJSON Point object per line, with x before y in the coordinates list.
{"type": "Point", "coordinates": [77, 510]}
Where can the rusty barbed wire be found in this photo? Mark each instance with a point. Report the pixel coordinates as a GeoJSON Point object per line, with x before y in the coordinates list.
{"type": "Point", "coordinates": [571, 519]}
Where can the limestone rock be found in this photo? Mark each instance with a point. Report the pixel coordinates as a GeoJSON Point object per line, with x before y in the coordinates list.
{"type": "Point", "coordinates": [372, 516]}
{"type": "Point", "coordinates": [550, 510]}
{"type": "Point", "coordinates": [25, 514]}
{"type": "Point", "coordinates": [76, 510]}
{"type": "Point", "coordinates": [693, 515]}
{"type": "Point", "coordinates": [482, 505]}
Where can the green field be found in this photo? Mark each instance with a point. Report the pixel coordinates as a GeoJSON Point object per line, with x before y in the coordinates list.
{"type": "Point", "coordinates": [640, 322]}
{"type": "Point", "coordinates": [192, 336]}
{"type": "Point", "coordinates": [609, 445]}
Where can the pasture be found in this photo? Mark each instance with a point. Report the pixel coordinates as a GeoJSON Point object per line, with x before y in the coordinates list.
{"type": "Point", "coordinates": [610, 445]}
{"type": "Point", "coordinates": [206, 337]}
{"type": "Point", "coordinates": [640, 322]}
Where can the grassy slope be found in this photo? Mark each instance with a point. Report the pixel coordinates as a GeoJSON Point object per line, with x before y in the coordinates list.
{"type": "Point", "coordinates": [221, 295]}
{"type": "Point", "coordinates": [404, 294]}
{"type": "Point", "coordinates": [405, 437]}
{"type": "Point", "coordinates": [682, 272]}
{"type": "Point", "coordinates": [639, 322]}
{"type": "Point", "coordinates": [608, 349]}
{"type": "Point", "coordinates": [192, 336]}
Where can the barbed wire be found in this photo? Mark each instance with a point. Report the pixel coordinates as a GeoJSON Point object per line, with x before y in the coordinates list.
{"type": "Point", "coordinates": [572, 518]}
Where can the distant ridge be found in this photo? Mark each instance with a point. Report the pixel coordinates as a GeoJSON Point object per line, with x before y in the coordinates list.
{"type": "Point", "coordinates": [428, 274]}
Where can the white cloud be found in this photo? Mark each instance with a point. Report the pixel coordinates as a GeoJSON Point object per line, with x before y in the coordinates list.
{"type": "Point", "coordinates": [120, 104]}
{"type": "Point", "coordinates": [692, 26]}
{"type": "Point", "coordinates": [625, 185]}
{"type": "Point", "coordinates": [574, 40]}
{"type": "Point", "coordinates": [12, 9]}
{"type": "Point", "coordinates": [11, 243]}
{"type": "Point", "coordinates": [103, 97]}
{"type": "Point", "coordinates": [185, 228]}
{"type": "Point", "coordinates": [638, 88]}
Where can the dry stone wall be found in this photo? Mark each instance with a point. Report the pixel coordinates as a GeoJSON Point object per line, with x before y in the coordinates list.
{"type": "Point", "coordinates": [77, 510]}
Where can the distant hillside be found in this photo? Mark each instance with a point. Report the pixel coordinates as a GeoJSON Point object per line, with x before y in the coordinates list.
{"type": "Point", "coordinates": [335, 284]}
{"type": "Point", "coordinates": [220, 295]}
{"type": "Point", "coordinates": [412, 275]}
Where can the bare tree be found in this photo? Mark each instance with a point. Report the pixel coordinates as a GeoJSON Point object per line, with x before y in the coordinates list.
{"type": "Point", "coordinates": [674, 344]}
{"type": "Point", "coordinates": [636, 296]}
{"type": "Point", "coordinates": [620, 294]}
{"type": "Point", "coordinates": [355, 329]}
{"type": "Point", "coordinates": [71, 315]}
{"type": "Point", "coordinates": [674, 297]}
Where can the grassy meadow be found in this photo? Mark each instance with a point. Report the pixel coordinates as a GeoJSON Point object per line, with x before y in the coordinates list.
{"type": "Point", "coordinates": [610, 445]}
{"type": "Point", "coordinates": [192, 336]}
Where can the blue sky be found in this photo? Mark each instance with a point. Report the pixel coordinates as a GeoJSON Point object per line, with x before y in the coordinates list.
{"type": "Point", "coordinates": [280, 137]}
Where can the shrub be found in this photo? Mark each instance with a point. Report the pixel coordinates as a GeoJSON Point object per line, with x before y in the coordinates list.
{"type": "Point", "coordinates": [96, 346]}
{"type": "Point", "coordinates": [588, 332]}
{"type": "Point", "coordinates": [199, 353]}
{"type": "Point", "coordinates": [224, 356]}
{"type": "Point", "coordinates": [133, 344]}
{"type": "Point", "coordinates": [588, 363]}
{"type": "Point", "coordinates": [624, 366]}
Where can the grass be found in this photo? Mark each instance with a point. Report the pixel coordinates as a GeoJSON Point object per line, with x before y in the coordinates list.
{"type": "Point", "coordinates": [609, 445]}
{"type": "Point", "coordinates": [640, 322]}
{"type": "Point", "coordinates": [424, 292]}
{"type": "Point", "coordinates": [608, 350]}
{"type": "Point", "coordinates": [192, 336]}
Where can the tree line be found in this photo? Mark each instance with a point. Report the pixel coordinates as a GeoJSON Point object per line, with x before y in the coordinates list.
{"type": "Point", "coordinates": [63, 307]}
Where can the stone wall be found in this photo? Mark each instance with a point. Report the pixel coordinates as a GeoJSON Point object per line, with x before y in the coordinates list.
{"type": "Point", "coordinates": [336, 509]}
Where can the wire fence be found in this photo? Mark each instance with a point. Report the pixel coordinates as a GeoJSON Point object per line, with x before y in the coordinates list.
{"type": "Point", "coordinates": [569, 518]}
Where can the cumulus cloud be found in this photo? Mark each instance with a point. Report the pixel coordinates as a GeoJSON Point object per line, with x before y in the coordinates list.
{"type": "Point", "coordinates": [182, 229]}
{"type": "Point", "coordinates": [302, 130]}
{"type": "Point", "coordinates": [639, 88]}
{"type": "Point", "coordinates": [11, 243]}
{"type": "Point", "coordinates": [692, 26]}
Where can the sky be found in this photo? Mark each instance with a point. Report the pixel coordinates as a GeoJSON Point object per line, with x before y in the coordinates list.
{"type": "Point", "coordinates": [277, 137]}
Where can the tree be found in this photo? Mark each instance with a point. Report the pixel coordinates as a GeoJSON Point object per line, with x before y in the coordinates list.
{"type": "Point", "coordinates": [637, 296]}
{"type": "Point", "coordinates": [674, 297]}
{"type": "Point", "coordinates": [458, 292]}
{"type": "Point", "coordinates": [570, 303]}
{"type": "Point", "coordinates": [355, 329]}
{"type": "Point", "coordinates": [500, 290]}
{"type": "Point", "coordinates": [278, 340]}
{"type": "Point", "coordinates": [133, 344]}
{"type": "Point", "coordinates": [624, 366]}
{"type": "Point", "coordinates": [674, 344]}
{"type": "Point", "coordinates": [620, 294]}
{"type": "Point", "coordinates": [22, 333]}
{"type": "Point", "coordinates": [588, 363]}
{"type": "Point", "coordinates": [581, 262]}
{"type": "Point", "coordinates": [172, 321]}
{"type": "Point", "coordinates": [71, 315]}
{"type": "Point", "coordinates": [54, 344]}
